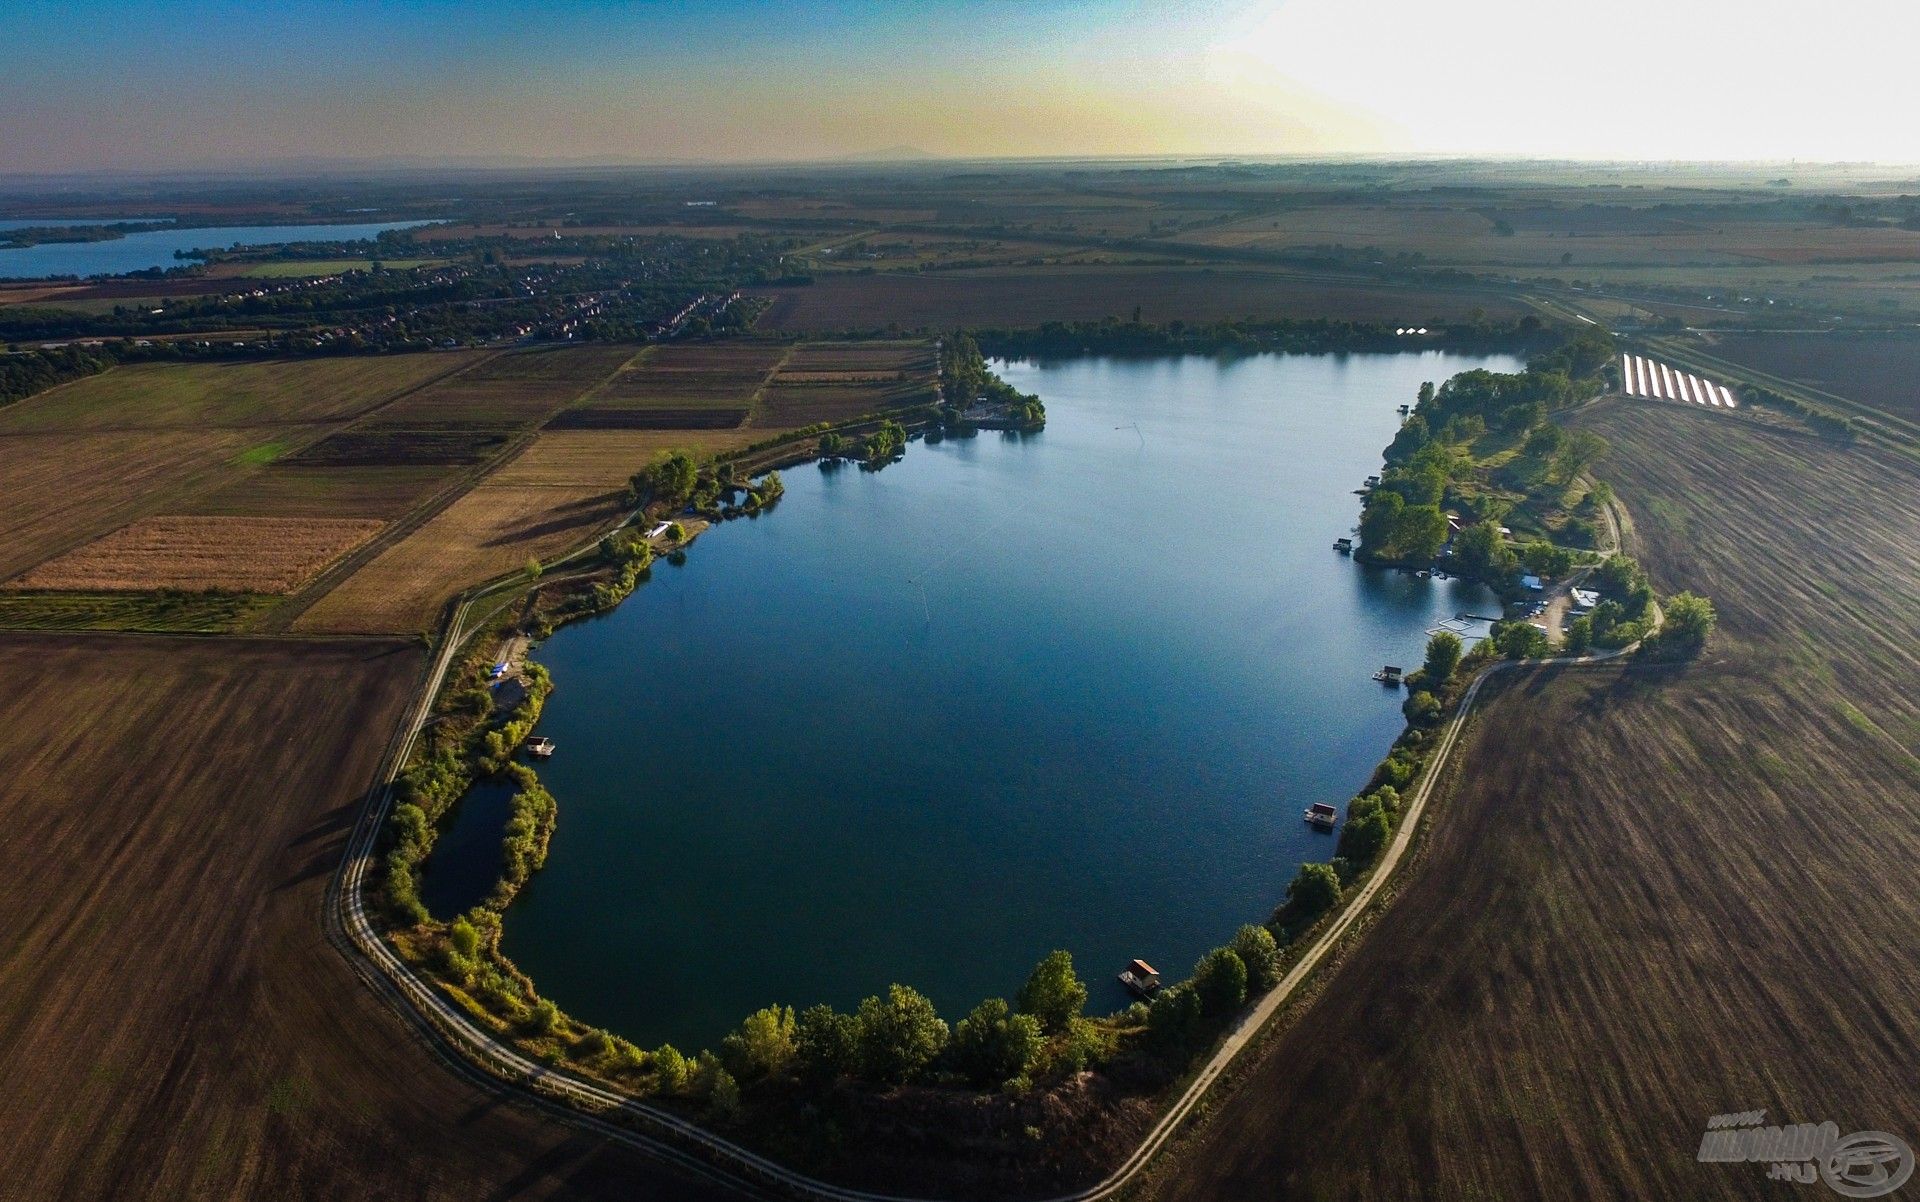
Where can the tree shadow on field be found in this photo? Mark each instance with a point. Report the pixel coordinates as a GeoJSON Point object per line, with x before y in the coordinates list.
{"type": "Point", "coordinates": [588, 1167]}
{"type": "Point", "coordinates": [334, 821]}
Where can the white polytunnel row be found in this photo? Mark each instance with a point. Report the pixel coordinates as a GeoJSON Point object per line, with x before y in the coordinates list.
{"type": "Point", "coordinates": [1643, 377]}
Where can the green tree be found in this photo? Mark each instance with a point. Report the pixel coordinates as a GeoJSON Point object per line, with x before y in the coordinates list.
{"type": "Point", "coordinates": [899, 1035]}
{"type": "Point", "coordinates": [826, 1043]}
{"type": "Point", "coordinates": [1544, 559]}
{"type": "Point", "coordinates": [1174, 1020]}
{"type": "Point", "coordinates": [1255, 946]}
{"type": "Point", "coordinates": [1366, 831]}
{"type": "Point", "coordinates": [764, 1044]}
{"type": "Point", "coordinates": [1579, 636]}
{"type": "Point", "coordinates": [1481, 551]}
{"type": "Point", "coordinates": [1054, 994]}
{"type": "Point", "coordinates": [1443, 656]}
{"type": "Point", "coordinates": [1315, 889]}
{"type": "Point", "coordinates": [670, 1069]}
{"type": "Point", "coordinates": [1220, 980]}
{"type": "Point", "coordinates": [993, 1044]}
{"type": "Point", "coordinates": [671, 480]}
{"type": "Point", "coordinates": [1519, 640]}
{"type": "Point", "coordinates": [1689, 620]}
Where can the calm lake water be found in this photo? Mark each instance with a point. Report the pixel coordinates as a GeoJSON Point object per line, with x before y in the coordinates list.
{"type": "Point", "coordinates": [1009, 694]}
{"type": "Point", "coordinates": [154, 248]}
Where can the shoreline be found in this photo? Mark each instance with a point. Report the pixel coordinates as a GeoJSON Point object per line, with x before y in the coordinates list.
{"type": "Point", "coordinates": [1304, 956]}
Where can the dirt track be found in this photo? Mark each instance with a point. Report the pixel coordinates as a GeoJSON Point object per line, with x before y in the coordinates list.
{"type": "Point", "coordinates": [1654, 895]}
{"type": "Point", "coordinates": [177, 1025]}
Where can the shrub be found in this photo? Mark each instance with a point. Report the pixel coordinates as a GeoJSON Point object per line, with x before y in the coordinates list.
{"type": "Point", "coordinates": [463, 938]}
{"type": "Point", "coordinates": [1054, 994]}
{"type": "Point", "coordinates": [545, 1018]}
{"type": "Point", "coordinates": [1082, 1044]}
{"type": "Point", "coordinates": [1422, 708]}
{"type": "Point", "coordinates": [1175, 1018]}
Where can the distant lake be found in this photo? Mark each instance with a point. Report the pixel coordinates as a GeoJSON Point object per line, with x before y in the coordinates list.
{"type": "Point", "coordinates": [1071, 689]}
{"type": "Point", "coordinates": [155, 248]}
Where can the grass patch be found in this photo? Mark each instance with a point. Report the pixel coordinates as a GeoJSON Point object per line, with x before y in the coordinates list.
{"type": "Point", "coordinates": [260, 455]}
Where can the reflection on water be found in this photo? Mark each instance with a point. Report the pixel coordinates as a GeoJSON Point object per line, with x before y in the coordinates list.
{"type": "Point", "coordinates": [1009, 694]}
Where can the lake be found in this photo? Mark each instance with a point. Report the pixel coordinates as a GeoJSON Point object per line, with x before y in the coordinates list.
{"type": "Point", "coordinates": [155, 248]}
{"type": "Point", "coordinates": [1012, 693]}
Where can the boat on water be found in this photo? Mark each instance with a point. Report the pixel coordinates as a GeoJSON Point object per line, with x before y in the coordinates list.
{"type": "Point", "coordinates": [1322, 815]}
{"type": "Point", "coordinates": [540, 748]}
{"type": "Point", "coordinates": [1141, 979]}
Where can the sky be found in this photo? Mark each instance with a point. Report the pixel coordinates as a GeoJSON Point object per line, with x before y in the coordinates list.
{"type": "Point", "coordinates": [88, 86]}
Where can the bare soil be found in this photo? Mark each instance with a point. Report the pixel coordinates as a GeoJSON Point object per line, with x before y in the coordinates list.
{"type": "Point", "coordinates": [178, 1025]}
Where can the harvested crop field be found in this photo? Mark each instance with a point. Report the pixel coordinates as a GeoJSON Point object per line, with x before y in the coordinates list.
{"type": "Point", "coordinates": [363, 447]}
{"type": "Point", "coordinates": [202, 554]}
{"type": "Point", "coordinates": [607, 458]}
{"type": "Point", "coordinates": [199, 396]}
{"type": "Point", "coordinates": [1651, 895]}
{"type": "Point", "coordinates": [64, 489]}
{"type": "Point", "coordinates": [1020, 296]}
{"type": "Point", "coordinates": [1881, 371]}
{"type": "Point", "coordinates": [838, 381]}
{"type": "Point", "coordinates": [686, 377]}
{"type": "Point", "coordinates": [284, 490]}
{"type": "Point", "coordinates": [179, 1025]}
{"type": "Point", "coordinates": [509, 390]}
{"type": "Point", "coordinates": [490, 531]}
{"type": "Point", "coordinates": [658, 417]}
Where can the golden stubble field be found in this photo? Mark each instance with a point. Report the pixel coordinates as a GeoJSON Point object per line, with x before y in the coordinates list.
{"type": "Point", "coordinates": [202, 554]}
{"type": "Point", "coordinates": [1652, 894]}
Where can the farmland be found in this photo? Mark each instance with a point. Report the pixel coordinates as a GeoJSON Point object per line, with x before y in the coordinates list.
{"type": "Point", "coordinates": [156, 396]}
{"type": "Point", "coordinates": [170, 844]}
{"type": "Point", "coordinates": [1652, 895]}
{"type": "Point", "coordinates": [679, 388]}
{"type": "Point", "coordinates": [1881, 371]}
{"type": "Point", "coordinates": [80, 460]}
{"type": "Point", "coordinates": [1022, 296]}
{"type": "Point", "coordinates": [836, 381]}
{"type": "Point", "coordinates": [64, 489]}
{"type": "Point", "coordinates": [203, 554]}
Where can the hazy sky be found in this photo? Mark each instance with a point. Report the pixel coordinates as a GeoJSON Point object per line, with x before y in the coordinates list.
{"type": "Point", "coordinates": [94, 85]}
